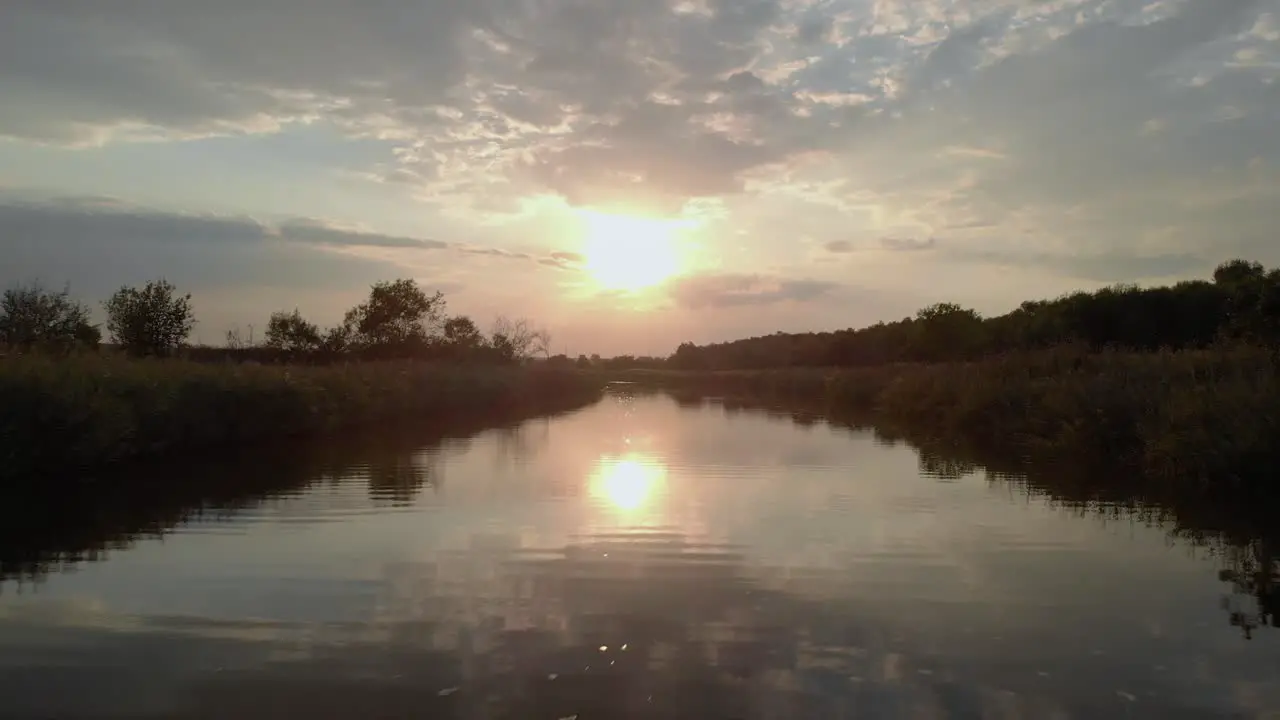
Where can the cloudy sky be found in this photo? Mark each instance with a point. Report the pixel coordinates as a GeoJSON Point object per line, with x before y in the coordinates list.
{"type": "Point", "coordinates": [633, 173]}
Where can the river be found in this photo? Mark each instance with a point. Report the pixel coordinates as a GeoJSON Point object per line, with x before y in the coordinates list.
{"type": "Point", "coordinates": [639, 558]}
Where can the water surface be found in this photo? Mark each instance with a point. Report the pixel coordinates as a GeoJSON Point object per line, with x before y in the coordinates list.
{"type": "Point", "coordinates": [640, 558]}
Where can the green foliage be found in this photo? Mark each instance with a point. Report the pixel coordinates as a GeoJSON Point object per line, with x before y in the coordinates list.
{"type": "Point", "coordinates": [1242, 303]}
{"type": "Point", "coordinates": [68, 414]}
{"type": "Point", "coordinates": [153, 320]}
{"type": "Point", "coordinates": [33, 317]}
{"type": "Point", "coordinates": [290, 333]}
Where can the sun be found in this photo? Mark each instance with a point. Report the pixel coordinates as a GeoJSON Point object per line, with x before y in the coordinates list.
{"type": "Point", "coordinates": [628, 252]}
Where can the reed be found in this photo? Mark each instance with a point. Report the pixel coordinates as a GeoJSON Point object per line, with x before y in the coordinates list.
{"type": "Point", "coordinates": [61, 415]}
{"type": "Point", "coordinates": [1196, 416]}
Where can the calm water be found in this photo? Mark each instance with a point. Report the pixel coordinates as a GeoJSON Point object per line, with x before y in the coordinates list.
{"type": "Point", "coordinates": [640, 558]}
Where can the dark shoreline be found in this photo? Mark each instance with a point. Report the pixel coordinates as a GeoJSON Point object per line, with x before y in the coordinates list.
{"type": "Point", "coordinates": [1202, 420]}
{"type": "Point", "coordinates": [86, 415]}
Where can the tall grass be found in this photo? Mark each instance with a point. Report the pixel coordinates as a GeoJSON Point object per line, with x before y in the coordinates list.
{"type": "Point", "coordinates": [61, 415]}
{"type": "Point", "coordinates": [1198, 417]}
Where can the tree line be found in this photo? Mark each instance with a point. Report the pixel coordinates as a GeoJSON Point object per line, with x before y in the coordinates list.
{"type": "Point", "coordinates": [1241, 303]}
{"type": "Point", "coordinates": [398, 320]}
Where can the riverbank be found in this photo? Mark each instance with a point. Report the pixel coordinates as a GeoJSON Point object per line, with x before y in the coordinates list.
{"type": "Point", "coordinates": [71, 414]}
{"type": "Point", "coordinates": [1207, 418]}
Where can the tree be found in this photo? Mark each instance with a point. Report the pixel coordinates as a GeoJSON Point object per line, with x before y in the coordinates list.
{"type": "Point", "coordinates": [542, 342]}
{"type": "Point", "coordinates": [1245, 281]}
{"type": "Point", "coordinates": [398, 317]}
{"type": "Point", "coordinates": [517, 340]}
{"type": "Point", "coordinates": [1238, 272]}
{"type": "Point", "coordinates": [462, 335]}
{"type": "Point", "coordinates": [239, 340]}
{"type": "Point", "coordinates": [153, 320]}
{"type": "Point", "coordinates": [289, 332]}
{"type": "Point", "coordinates": [34, 317]}
{"type": "Point", "coordinates": [947, 331]}
{"type": "Point", "coordinates": [688, 357]}
{"type": "Point", "coordinates": [336, 341]}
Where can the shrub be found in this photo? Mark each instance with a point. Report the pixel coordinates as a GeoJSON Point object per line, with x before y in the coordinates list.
{"type": "Point", "coordinates": [153, 320]}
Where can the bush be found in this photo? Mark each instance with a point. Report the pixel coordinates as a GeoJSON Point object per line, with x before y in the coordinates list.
{"type": "Point", "coordinates": [32, 317]}
{"type": "Point", "coordinates": [150, 321]}
{"type": "Point", "coordinates": [1202, 417]}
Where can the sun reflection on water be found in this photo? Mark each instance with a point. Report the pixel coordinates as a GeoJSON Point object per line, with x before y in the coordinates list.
{"type": "Point", "coordinates": [628, 483]}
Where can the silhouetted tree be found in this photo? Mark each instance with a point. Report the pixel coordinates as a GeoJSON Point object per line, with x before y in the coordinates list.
{"type": "Point", "coordinates": [289, 332]}
{"type": "Point", "coordinates": [398, 319]}
{"type": "Point", "coordinates": [1238, 272]}
{"type": "Point", "coordinates": [1242, 304]}
{"type": "Point", "coordinates": [947, 331]}
{"type": "Point", "coordinates": [153, 320]}
{"type": "Point", "coordinates": [462, 334]}
{"type": "Point", "coordinates": [517, 340]}
{"type": "Point", "coordinates": [34, 317]}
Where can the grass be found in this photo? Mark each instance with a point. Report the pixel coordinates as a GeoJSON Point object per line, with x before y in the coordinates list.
{"type": "Point", "coordinates": [1209, 417]}
{"type": "Point", "coordinates": [69, 414]}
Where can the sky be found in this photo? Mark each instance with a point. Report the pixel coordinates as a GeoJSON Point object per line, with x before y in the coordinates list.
{"type": "Point", "coordinates": [631, 174]}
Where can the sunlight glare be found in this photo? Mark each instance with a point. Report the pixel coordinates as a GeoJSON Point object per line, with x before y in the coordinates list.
{"type": "Point", "coordinates": [626, 252]}
{"type": "Point", "coordinates": [627, 483]}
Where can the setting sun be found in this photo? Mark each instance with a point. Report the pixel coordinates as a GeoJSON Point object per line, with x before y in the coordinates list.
{"type": "Point", "coordinates": [626, 252]}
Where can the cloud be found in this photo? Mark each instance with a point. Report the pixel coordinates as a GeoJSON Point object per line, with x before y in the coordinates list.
{"type": "Point", "coordinates": [1119, 266]}
{"type": "Point", "coordinates": [495, 252]}
{"type": "Point", "coordinates": [99, 249]}
{"type": "Point", "coordinates": [312, 231]}
{"type": "Point", "coordinates": [732, 290]}
{"type": "Point", "coordinates": [621, 101]}
{"type": "Point", "coordinates": [896, 244]}
{"type": "Point", "coordinates": [563, 260]}
{"type": "Point", "coordinates": [98, 244]}
{"type": "Point", "coordinates": [1064, 135]}
{"type": "Point", "coordinates": [906, 244]}
{"type": "Point", "coordinates": [650, 103]}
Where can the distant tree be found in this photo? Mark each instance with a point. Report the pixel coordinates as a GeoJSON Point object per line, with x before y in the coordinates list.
{"type": "Point", "coordinates": [688, 357]}
{"type": "Point", "coordinates": [542, 342]}
{"type": "Point", "coordinates": [336, 341]}
{"type": "Point", "coordinates": [1246, 285]}
{"type": "Point", "coordinates": [462, 334]}
{"type": "Point", "coordinates": [946, 330]}
{"type": "Point", "coordinates": [153, 320]}
{"type": "Point", "coordinates": [238, 339]}
{"type": "Point", "coordinates": [398, 318]}
{"type": "Point", "coordinates": [32, 316]}
{"type": "Point", "coordinates": [517, 340]}
{"type": "Point", "coordinates": [289, 332]}
{"type": "Point", "coordinates": [1238, 272]}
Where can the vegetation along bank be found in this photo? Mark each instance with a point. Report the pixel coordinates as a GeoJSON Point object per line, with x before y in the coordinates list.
{"type": "Point", "coordinates": [67, 406]}
{"type": "Point", "coordinates": [1180, 383]}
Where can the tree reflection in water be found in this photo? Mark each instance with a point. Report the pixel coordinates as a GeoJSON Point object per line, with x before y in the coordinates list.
{"type": "Point", "coordinates": [629, 623]}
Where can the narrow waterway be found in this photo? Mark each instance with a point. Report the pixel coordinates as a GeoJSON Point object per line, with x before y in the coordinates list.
{"type": "Point", "coordinates": [639, 558]}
